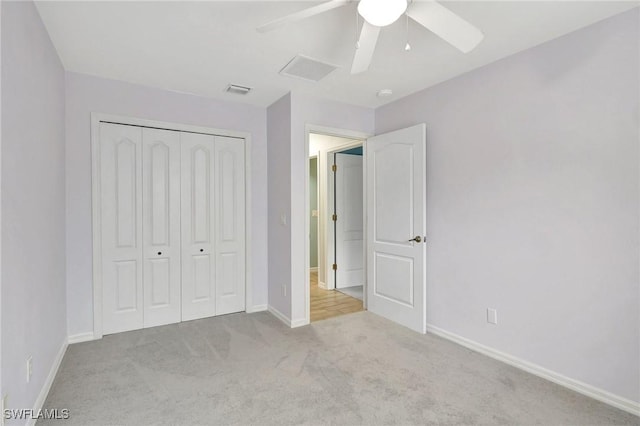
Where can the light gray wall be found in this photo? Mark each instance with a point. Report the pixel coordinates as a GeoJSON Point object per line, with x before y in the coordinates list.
{"type": "Point", "coordinates": [313, 205]}
{"type": "Point", "coordinates": [33, 207]}
{"type": "Point", "coordinates": [533, 203]}
{"type": "Point", "coordinates": [86, 94]}
{"type": "Point", "coordinates": [320, 112]}
{"type": "Point", "coordinates": [1, 386]}
{"type": "Point", "coordinates": [279, 154]}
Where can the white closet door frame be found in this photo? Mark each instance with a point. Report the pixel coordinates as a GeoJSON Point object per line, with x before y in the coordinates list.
{"type": "Point", "coordinates": [96, 119]}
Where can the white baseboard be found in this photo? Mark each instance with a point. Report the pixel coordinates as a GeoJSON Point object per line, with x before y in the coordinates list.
{"type": "Point", "coordinates": [322, 285]}
{"type": "Point", "coordinates": [257, 308]}
{"type": "Point", "coordinates": [282, 317]}
{"type": "Point", "coordinates": [313, 269]}
{"type": "Point", "coordinates": [81, 337]}
{"type": "Point", "coordinates": [42, 396]}
{"type": "Point", "coordinates": [575, 385]}
{"type": "Point", "coordinates": [299, 323]}
{"type": "Point", "coordinates": [290, 323]}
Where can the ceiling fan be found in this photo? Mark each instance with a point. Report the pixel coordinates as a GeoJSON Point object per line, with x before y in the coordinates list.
{"type": "Point", "coordinates": [380, 13]}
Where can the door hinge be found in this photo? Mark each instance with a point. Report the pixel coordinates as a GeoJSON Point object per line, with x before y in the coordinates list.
{"type": "Point", "coordinates": [334, 167]}
{"type": "Point", "coordinates": [334, 217]}
{"type": "Point", "coordinates": [335, 267]}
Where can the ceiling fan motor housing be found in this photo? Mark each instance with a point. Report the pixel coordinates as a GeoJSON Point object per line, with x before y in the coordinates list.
{"type": "Point", "coordinates": [381, 12]}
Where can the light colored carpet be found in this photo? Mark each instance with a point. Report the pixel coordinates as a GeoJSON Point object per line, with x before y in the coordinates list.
{"type": "Point", "coordinates": [355, 291]}
{"type": "Point", "coordinates": [251, 369]}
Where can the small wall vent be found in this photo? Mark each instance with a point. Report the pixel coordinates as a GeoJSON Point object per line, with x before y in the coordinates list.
{"type": "Point", "coordinates": [307, 69]}
{"type": "Point", "coordinates": [238, 90]}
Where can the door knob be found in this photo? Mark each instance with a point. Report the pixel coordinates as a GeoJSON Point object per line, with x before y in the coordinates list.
{"type": "Point", "coordinates": [417, 239]}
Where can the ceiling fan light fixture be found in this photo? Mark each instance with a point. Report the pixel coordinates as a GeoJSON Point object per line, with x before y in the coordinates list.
{"type": "Point", "coordinates": [381, 12]}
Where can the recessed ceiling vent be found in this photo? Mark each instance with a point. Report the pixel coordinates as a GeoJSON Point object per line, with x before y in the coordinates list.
{"type": "Point", "coordinates": [307, 69]}
{"type": "Point", "coordinates": [238, 90]}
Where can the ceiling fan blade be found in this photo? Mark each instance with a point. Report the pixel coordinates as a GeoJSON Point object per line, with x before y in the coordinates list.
{"type": "Point", "coordinates": [366, 47]}
{"type": "Point", "coordinates": [305, 13]}
{"type": "Point", "coordinates": [445, 24]}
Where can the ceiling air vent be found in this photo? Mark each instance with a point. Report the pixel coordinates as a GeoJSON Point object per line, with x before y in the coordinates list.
{"type": "Point", "coordinates": [238, 90]}
{"type": "Point", "coordinates": [307, 69]}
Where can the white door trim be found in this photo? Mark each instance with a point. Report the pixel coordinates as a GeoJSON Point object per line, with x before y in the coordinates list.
{"type": "Point", "coordinates": [329, 131]}
{"type": "Point", "coordinates": [96, 119]}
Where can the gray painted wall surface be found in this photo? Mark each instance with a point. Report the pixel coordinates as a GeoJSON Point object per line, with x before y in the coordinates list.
{"type": "Point", "coordinates": [86, 94]}
{"type": "Point", "coordinates": [1, 387]}
{"type": "Point", "coordinates": [33, 207]}
{"type": "Point", "coordinates": [279, 154]}
{"type": "Point", "coordinates": [533, 203]}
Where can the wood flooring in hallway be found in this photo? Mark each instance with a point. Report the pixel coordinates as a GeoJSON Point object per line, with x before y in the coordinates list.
{"type": "Point", "coordinates": [330, 303]}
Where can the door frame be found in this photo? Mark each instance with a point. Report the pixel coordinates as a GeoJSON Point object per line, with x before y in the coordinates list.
{"type": "Point", "coordinates": [96, 119]}
{"type": "Point", "coordinates": [317, 268]}
{"type": "Point", "coordinates": [328, 131]}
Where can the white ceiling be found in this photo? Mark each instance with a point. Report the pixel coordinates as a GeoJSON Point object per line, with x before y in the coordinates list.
{"type": "Point", "coordinates": [201, 47]}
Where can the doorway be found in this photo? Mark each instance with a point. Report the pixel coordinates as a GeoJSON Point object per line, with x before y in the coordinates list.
{"type": "Point", "coordinates": [333, 215]}
{"type": "Point", "coordinates": [394, 200]}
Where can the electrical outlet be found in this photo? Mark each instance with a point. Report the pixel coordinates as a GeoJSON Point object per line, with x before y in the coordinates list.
{"type": "Point", "coordinates": [492, 316]}
{"type": "Point", "coordinates": [29, 368]}
{"type": "Point", "coordinates": [283, 219]}
{"type": "Point", "coordinates": [284, 290]}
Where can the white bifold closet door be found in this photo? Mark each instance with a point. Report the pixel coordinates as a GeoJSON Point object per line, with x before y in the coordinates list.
{"type": "Point", "coordinates": [161, 226]}
{"type": "Point", "coordinates": [213, 210]}
{"type": "Point", "coordinates": [172, 226]}
{"type": "Point", "coordinates": [121, 219]}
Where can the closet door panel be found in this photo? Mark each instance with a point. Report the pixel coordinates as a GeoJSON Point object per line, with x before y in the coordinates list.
{"type": "Point", "coordinates": [161, 226]}
{"type": "Point", "coordinates": [229, 217]}
{"type": "Point", "coordinates": [197, 207]}
{"type": "Point", "coordinates": [121, 227]}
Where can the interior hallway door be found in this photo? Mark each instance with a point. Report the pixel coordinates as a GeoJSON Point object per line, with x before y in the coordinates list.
{"type": "Point", "coordinates": [349, 224]}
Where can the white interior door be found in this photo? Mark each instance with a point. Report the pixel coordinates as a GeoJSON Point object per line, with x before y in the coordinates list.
{"type": "Point", "coordinates": [349, 223]}
{"type": "Point", "coordinates": [161, 226]}
{"type": "Point", "coordinates": [121, 227]}
{"type": "Point", "coordinates": [229, 217]}
{"type": "Point", "coordinates": [396, 206]}
{"type": "Point", "coordinates": [197, 201]}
